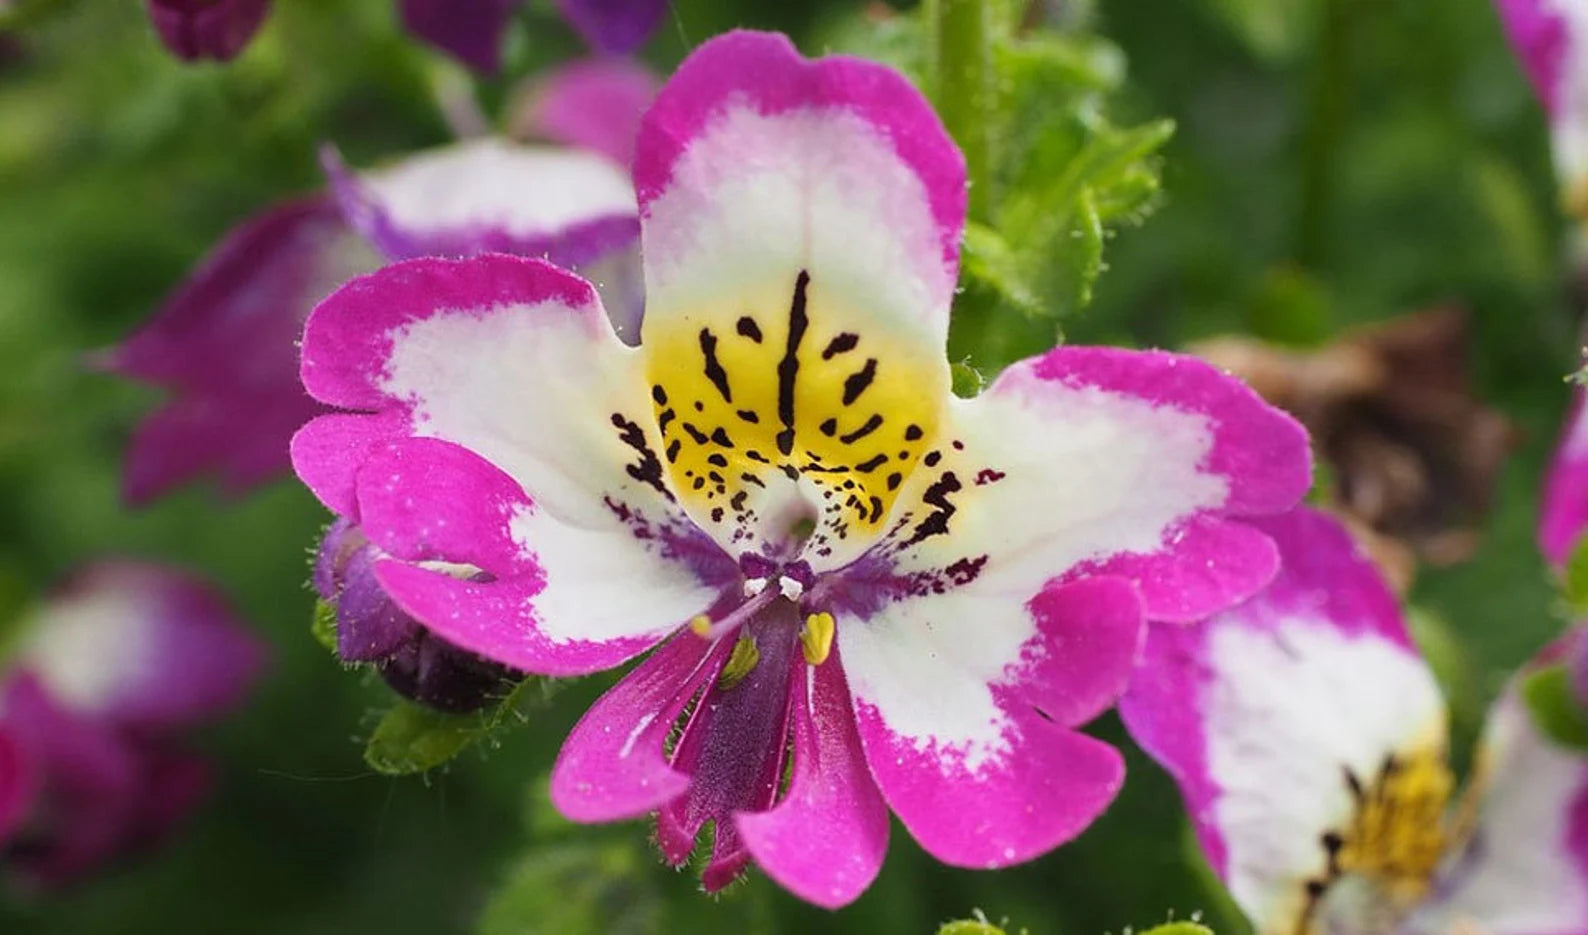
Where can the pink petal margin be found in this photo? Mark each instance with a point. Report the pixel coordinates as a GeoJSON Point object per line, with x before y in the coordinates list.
{"type": "Point", "coordinates": [1563, 514]}
{"type": "Point", "coordinates": [766, 69]}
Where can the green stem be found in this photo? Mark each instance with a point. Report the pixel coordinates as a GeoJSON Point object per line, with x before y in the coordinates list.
{"type": "Point", "coordinates": [1327, 108]}
{"type": "Point", "coordinates": [962, 79]}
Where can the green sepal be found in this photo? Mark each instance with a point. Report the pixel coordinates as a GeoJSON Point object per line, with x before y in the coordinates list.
{"type": "Point", "coordinates": [976, 926]}
{"type": "Point", "coordinates": [1555, 709]}
{"type": "Point", "coordinates": [1574, 579]}
{"type": "Point", "coordinates": [323, 626]}
{"type": "Point", "coordinates": [412, 738]}
{"type": "Point", "coordinates": [1179, 928]}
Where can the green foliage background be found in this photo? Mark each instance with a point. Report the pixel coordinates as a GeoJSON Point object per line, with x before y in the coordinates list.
{"type": "Point", "coordinates": [1331, 162]}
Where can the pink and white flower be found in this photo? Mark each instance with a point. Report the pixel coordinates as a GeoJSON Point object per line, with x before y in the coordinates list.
{"type": "Point", "coordinates": [98, 685]}
{"type": "Point", "coordinates": [225, 344]}
{"type": "Point", "coordinates": [1308, 738]}
{"type": "Point", "coordinates": [917, 598]}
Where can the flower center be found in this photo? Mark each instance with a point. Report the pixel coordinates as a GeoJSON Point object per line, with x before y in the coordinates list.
{"type": "Point", "coordinates": [767, 583]}
{"type": "Point", "coordinates": [1397, 835]}
{"type": "Point", "coordinates": [779, 424]}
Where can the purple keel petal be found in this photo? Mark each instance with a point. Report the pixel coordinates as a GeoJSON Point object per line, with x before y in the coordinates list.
{"type": "Point", "coordinates": [213, 29]}
{"type": "Point", "coordinates": [614, 26]}
{"type": "Point", "coordinates": [826, 839]}
{"type": "Point", "coordinates": [614, 764]}
{"type": "Point", "coordinates": [966, 700]}
{"type": "Point", "coordinates": [472, 30]}
{"type": "Point", "coordinates": [225, 344]}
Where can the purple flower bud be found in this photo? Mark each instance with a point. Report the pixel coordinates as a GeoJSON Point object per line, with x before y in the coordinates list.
{"type": "Point", "coordinates": [213, 29]}
{"type": "Point", "coordinates": [371, 628]}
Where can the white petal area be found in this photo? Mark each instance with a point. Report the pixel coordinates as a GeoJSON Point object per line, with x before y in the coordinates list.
{"type": "Point", "coordinates": [758, 197]}
{"type": "Point", "coordinates": [1569, 126]}
{"type": "Point", "coordinates": [534, 391]}
{"type": "Point", "coordinates": [1525, 870]}
{"type": "Point", "coordinates": [1287, 710]}
{"type": "Point", "coordinates": [1055, 476]}
{"type": "Point", "coordinates": [526, 192]}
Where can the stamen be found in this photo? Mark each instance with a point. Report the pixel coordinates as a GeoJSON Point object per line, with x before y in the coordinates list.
{"type": "Point", "coordinates": [705, 628]}
{"type": "Point", "coordinates": [740, 664]}
{"type": "Point", "coordinates": [816, 639]}
{"type": "Point", "coordinates": [754, 586]}
{"type": "Point", "coordinates": [791, 588]}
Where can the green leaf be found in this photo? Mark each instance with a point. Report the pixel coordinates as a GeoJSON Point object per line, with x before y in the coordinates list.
{"type": "Point", "coordinates": [574, 889]}
{"type": "Point", "coordinates": [412, 738]}
{"type": "Point", "coordinates": [1274, 30]}
{"type": "Point", "coordinates": [990, 261]}
{"type": "Point", "coordinates": [323, 627]}
{"type": "Point", "coordinates": [1556, 711]}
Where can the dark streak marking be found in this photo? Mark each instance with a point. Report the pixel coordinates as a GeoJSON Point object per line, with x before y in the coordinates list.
{"type": "Point", "coordinates": [829, 427]}
{"type": "Point", "coordinates": [672, 451]}
{"type": "Point", "coordinates": [718, 460]}
{"type": "Point", "coordinates": [876, 509]}
{"type": "Point", "coordinates": [749, 416]}
{"type": "Point", "coordinates": [738, 501]}
{"type": "Point", "coordinates": [714, 371]}
{"type": "Point", "coordinates": [700, 406]}
{"type": "Point", "coordinates": [931, 459]}
{"type": "Point", "coordinates": [913, 433]}
{"type": "Point", "coordinates": [659, 394]}
{"type": "Point", "coordinates": [700, 482]}
{"type": "Point", "coordinates": [840, 345]}
{"type": "Point", "coordinates": [866, 467]}
{"type": "Point", "coordinates": [752, 479]}
{"type": "Point", "coordinates": [699, 436]}
{"type": "Point", "coordinates": [789, 367]}
{"type": "Point", "coordinates": [856, 382]}
{"type": "Point", "coordinates": [989, 476]}
{"type": "Point", "coordinates": [943, 509]}
{"type": "Point", "coordinates": [720, 436]}
{"type": "Point", "coordinates": [790, 471]}
{"type": "Point", "coordinates": [662, 420]}
{"type": "Point", "coordinates": [894, 479]}
{"type": "Point", "coordinates": [649, 469]}
{"type": "Point", "coordinates": [749, 329]}
{"type": "Point", "coordinates": [754, 455]}
{"type": "Point", "coordinates": [872, 424]}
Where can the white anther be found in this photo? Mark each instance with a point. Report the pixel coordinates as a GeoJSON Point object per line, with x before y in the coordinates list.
{"type": "Point", "coordinates": [791, 589]}
{"type": "Point", "coordinates": [754, 586]}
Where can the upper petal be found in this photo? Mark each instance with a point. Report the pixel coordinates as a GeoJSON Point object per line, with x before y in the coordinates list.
{"type": "Point", "coordinates": [1524, 871]}
{"type": "Point", "coordinates": [966, 700]}
{"type": "Point", "coordinates": [509, 357]}
{"type": "Point", "coordinates": [140, 644]}
{"type": "Point", "coordinates": [594, 103]}
{"type": "Point", "coordinates": [1270, 714]}
{"type": "Point", "coordinates": [801, 224]}
{"type": "Point", "coordinates": [225, 344]}
{"type": "Point", "coordinates": [566, 205]}
{"type": "Point", "coordinates": [1103, 461]}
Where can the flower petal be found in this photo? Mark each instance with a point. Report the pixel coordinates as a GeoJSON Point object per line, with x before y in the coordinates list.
{"type": "Point", "coordinates": [965, 701]}
{"type": "Point", "coordinates": [225, 345]}
{"type": "Point", "coordinates": [19, 780]}
{"type": "Point", "coordinates": [614, 763]}
{"type": "Point", "coordinates": [509, 357]}
{"type": "Point", "coordinates": [471, 30]}
{"type": "Point", "coordinates": [141, 644]}
{"type": "Point", "coordinates": [1262, 712]}
{"type": "Point", "coordinates": [1539, 35]}
{"type": "Point", "coordinates": [801, 224]}
{"type": "Point", "coordinates": [489, 195]}
{"type": "Point", "coordinates": [1101, 461]}
{"type": "Point", "coordinates": [593, 103]}
{"type": "Point", "coordinates": [617, 27]}
{"type": "Point", "coordinates": [1524, 871]}
{"type": "Point", "coordinates": [825, 841]}
{"type": "Point", "coordinates": [1563, 516]}
{"type": "Point", "coordinates": [557, 598]}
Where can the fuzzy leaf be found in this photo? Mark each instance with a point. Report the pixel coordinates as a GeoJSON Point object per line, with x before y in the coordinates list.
{"type": "Point", "coordinates": [574, 889]}
{"type": "Point", "coordinates": [1178, 928]}
{"type": "Point", "coordinates": [412, 738]}
{"type": "Point", "coordinates": [1555, 709]}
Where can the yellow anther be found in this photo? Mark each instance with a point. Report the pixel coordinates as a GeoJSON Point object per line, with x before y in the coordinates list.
{"type": "Point", "coordinates": [741, 662]}
{"type": "Point", "coordinates": [701, 625]}
{"type": "Point", "coordinates": [817, 637]}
